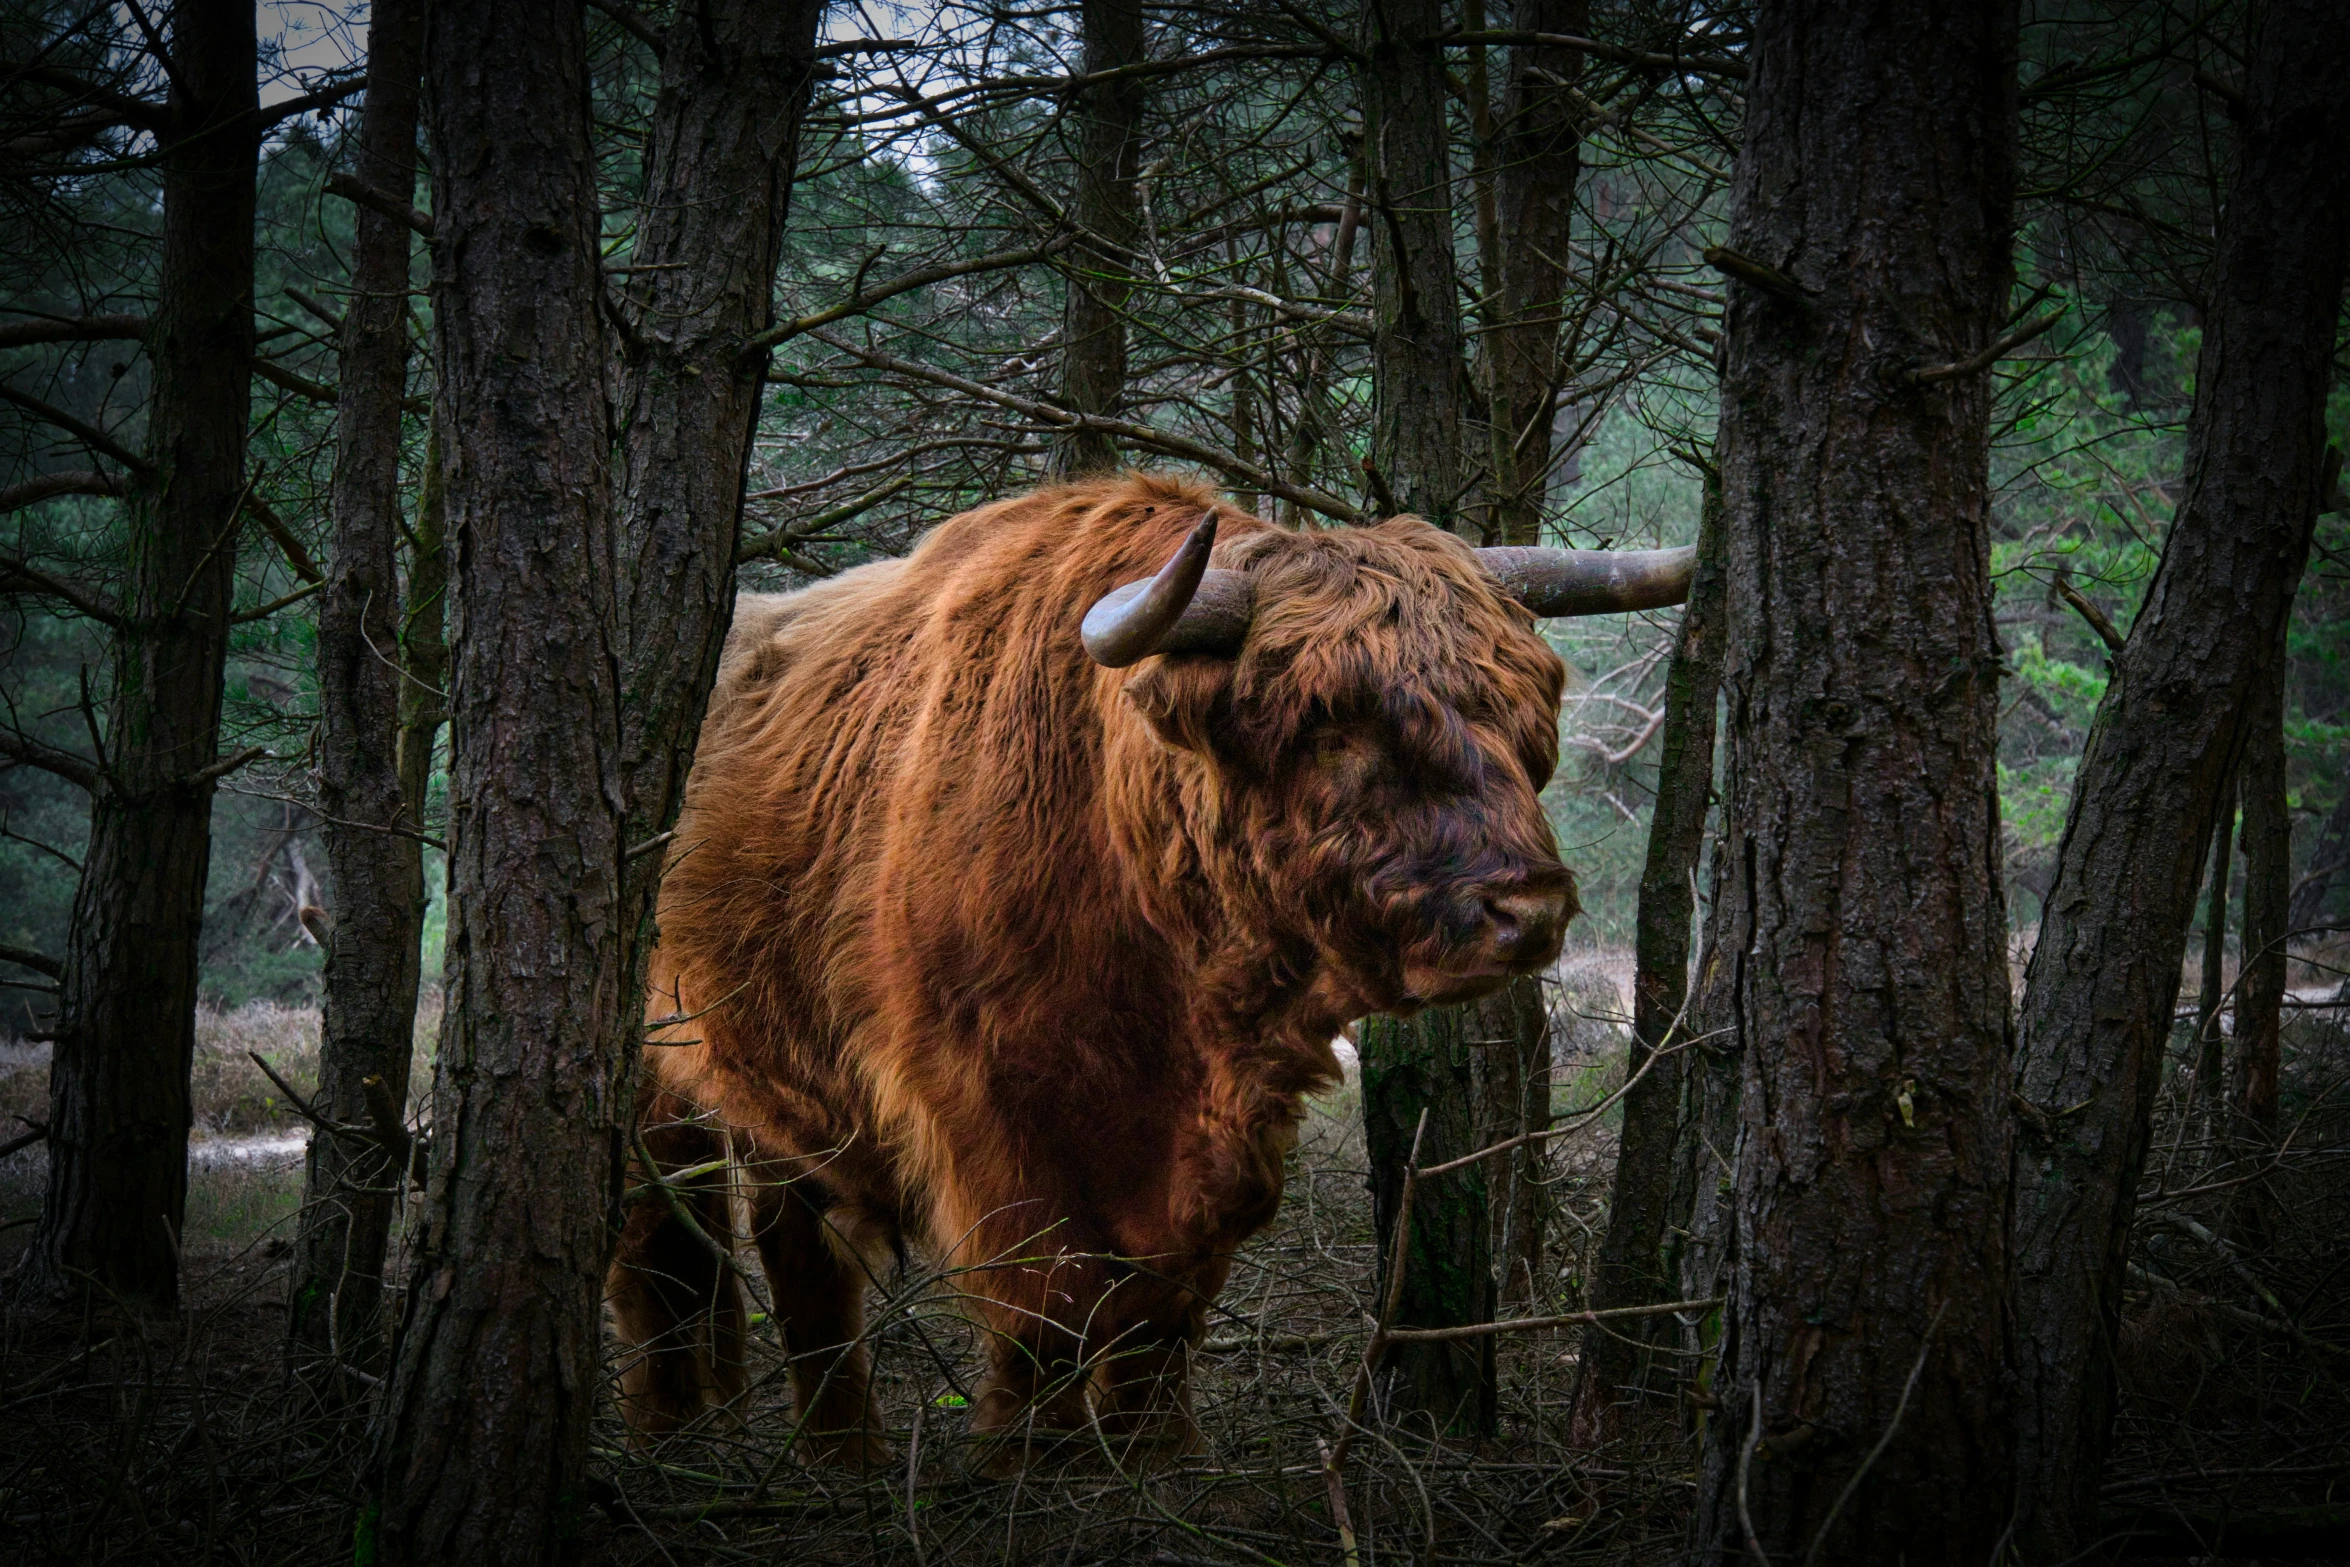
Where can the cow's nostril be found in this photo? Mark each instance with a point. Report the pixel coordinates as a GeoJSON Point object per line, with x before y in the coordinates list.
{"type": "Point", "coordinates": [1523, 921]}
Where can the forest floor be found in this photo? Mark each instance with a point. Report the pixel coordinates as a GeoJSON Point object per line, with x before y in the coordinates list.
{"type": "Point", "coordinates": [151, 1439]}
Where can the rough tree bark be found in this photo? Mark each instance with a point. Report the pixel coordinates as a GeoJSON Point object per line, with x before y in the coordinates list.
{"type": "Point", "coordinates": [1635, 1265]}
{"type": "Point", "coordinates": [424, 643]}
{"type": "Point", "coordinates": [1109, 150]}
{"type": "Point", "coordinates": [119, 1110]}
{"type": "Point", "coordinates": [1865, 1331]}
{"type": "Point", "coordinates": [482, 1445]}
{"type": "Point", "coordinates": [1513, 1092]}
{"type": "Point", "coordinates": [1538, 155]}
{"type": "Point", "coordinates": [335, 1310]}
{"type": "Point", "coordinates": [1416, 368]}
{"type": "Point", "coordinates": [1429, 1062]}
{"type": "Point", "coordinates": [1525, 182]}
{"type": "Point", "coordinates": [2211, 998]}
{"type": "Point", "coordinates": [735, 78]}
{"type": "Point", "coordinates": [2105, 974]}
{"type": "Point", "coordinates": [1417, 386]}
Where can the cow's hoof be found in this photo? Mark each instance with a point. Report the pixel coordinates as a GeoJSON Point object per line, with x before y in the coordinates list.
{"type": "Point", "coordinates": [1003, 1453]}
{"type": "Point", "coordinates": [653, 1421]}
{"type": "Point", "coordinates": [859, 1449]}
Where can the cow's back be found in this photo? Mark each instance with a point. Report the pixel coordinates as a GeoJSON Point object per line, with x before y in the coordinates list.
{"type": "Point", "coordinates": [889, 828]}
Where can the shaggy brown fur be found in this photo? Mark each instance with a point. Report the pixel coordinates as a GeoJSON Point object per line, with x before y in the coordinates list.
{"type": "Point", "coordinates": [1031, 962]}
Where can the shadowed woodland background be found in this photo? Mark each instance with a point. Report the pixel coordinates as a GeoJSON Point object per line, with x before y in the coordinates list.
{"type": "Point", "coordinates": [800, 281]}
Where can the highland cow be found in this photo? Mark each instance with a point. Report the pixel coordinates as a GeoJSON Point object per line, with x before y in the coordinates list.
{"type": "Point", "coordinates": [1023, 940]}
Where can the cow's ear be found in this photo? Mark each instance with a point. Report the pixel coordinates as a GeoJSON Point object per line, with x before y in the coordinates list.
{"type": "Point", "coordinates": [1186, 698]}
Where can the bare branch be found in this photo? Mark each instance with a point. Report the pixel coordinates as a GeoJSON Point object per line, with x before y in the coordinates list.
{"type": "Point", "coordinates": [1685, 64]}
{"type": "Point", "coordinates": [632, 22]}
{"type": "Point", "coordinates": [2092, 614]}
{"type": "Point", "coordinates": [1136, 434]}
{"type": "Point", "coordinates": [38, 962]}
{"type": "Point", "coordinates": [921, 277]}
{"type": "Point", "coordinates": [282, 601]}
{"type": "Point", "coordinates": [1999, 350]}
{"type": "Point", "coordinates": [777, 545]}
{"type": "Point", "coordinates": [226, 765]}
{"type": "Point", "coordinates": [20, 747]}
{"type": "Point", "coordinates": [323, 98]}
{"type": "Point", "coordinates": [73, 329]}
{"type": "Point", "coordinates": [48, 486]}
{"type": "Point", "coordinates": [283, 537]}
{"type": "Point", "coordinates": [122, 108]}
{"type": "Point", "coordinates": [17, 576]}
{"type": "Point", "coordinates": [359, 193]}
{"type": "Point", "coordinates": [1530, 1324]}
{"type": "Point", "coordinates": [88, 434]}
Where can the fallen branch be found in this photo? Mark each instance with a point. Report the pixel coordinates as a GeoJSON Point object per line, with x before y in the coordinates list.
{"type": "Point", "coordinates": [1530, 1324]}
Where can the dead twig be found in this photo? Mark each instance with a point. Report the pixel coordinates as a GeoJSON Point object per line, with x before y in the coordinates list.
{"type": "Point", "coordinates": [1530, 1324]}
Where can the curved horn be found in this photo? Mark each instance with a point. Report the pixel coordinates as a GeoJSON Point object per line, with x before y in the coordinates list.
{"type": "Point", "coordinates": [1186, 608]}
{"type": "Point", "coordinates": [1591, 582]}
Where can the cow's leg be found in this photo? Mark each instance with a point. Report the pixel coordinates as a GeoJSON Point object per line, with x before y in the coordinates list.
{"type": "Point", "coordinates": [1033, 1402]}
{"type": "Point", "coordinates": [818, 1285]}
{"type": "Point", "coordinates": [678, 1308]}
{"type": "Point", "coordinates": [1146, 1377]}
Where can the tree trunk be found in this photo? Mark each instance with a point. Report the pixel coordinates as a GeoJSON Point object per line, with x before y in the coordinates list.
{"type": "Point", "coordinates": [481, 1451]}
{"type": "Point", "coordinates": [1635, 1264]}
{"type": "Point", "coordinates": [1702, 1211]}
{"type": "Point", "coordinates": [2210, 1048]}
{"type": "Point", "coordinates": [1417, 387]}
{"type": "Point", "coordinates": [2260, 977]}
{"type": "Point", "coordinates": [1429, 1062]}
{"type": "Point", "coordinates": [735, 79]}
{"type": "Point", "coordinates": [1093, 321]}
{"type": "Point", "coordinates": [336, 1301]}
{"type": "Point", "coordinates": [118, 1084]}
{"type": "Point", "coordinates": [1416, 373]}
{"type": "Point", "coordinates": [1863, 1352]}
{"type": "Point", "coordinates": [1317, 425]}
{"type": "Point", "coordinates": [424, 645]}
{"type": "Point", "coordinates": [1539, 158]}
{"type": "Point", "coordinates": [1512, 1095]}
{"type": "Point", "coordinates": [2105, 974]}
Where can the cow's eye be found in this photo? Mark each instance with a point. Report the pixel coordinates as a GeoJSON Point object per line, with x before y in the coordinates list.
{"type": "Point", "coordinates": [1331, 747]}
